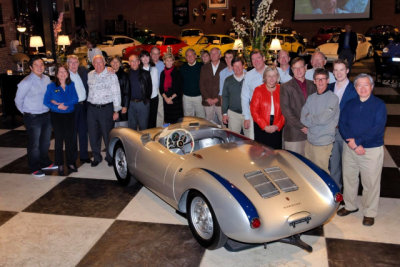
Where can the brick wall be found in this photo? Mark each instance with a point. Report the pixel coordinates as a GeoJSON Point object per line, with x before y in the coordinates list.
{"type": "Point", "coordinates": [10, 34]}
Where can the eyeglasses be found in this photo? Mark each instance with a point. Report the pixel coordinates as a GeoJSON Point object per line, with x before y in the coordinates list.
{"type": "Point", "coordinates": [320, 79]}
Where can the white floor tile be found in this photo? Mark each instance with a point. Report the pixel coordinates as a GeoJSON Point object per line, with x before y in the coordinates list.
{"type": "Point", "coordinates": [393, 109]}
{"type": "Point", "coordinates": [388, 160]}
{"type": "Point", "coordinates": [384, 230]}
{"type": "Point", "coordinates": [385, 91]}
{"type": "Point", "coordinates": [392, 136]}
{"type": "Point", "coordinates": [18, 191]}
{"type": "Point", "coordinates": [101, 171]}
{"type": "Point", "coordinates": [3, 131]}
{"type": "Point", "coordinates": [277, 255]}
{"type": "Point", "coordinates": [21, 128]}
{"type": "Point", "coordinates": [30, 239]}
{"type": "Point", "coordinates": [147, 207]}
{"type": "Point", "coordinates": [9, 154]}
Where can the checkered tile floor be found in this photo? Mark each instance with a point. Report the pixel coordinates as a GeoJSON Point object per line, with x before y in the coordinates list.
{"type": "Point", "coordinates": [87, 219]}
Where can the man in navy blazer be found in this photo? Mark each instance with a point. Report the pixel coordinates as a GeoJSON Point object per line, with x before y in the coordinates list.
{"type": "Point", "coordinates": [79, 75]}
{"type": "Point", "coordinates": [345, 90]}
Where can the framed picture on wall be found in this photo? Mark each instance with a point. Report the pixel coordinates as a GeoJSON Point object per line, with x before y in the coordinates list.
{"type": "Point", "coordinates": [217, 3]}
{"type": "Point", "coordinates": [397, 6]}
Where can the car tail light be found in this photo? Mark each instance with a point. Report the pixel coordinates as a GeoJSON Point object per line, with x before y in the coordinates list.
{"type": "Point", "coordinates": [255, 223]}
{"type": "Point", "coordinates": [123, 51]}
{"type": "Point", "coordinates": [338, 197]}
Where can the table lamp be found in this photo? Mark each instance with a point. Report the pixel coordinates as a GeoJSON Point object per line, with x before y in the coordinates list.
{"type": "Point", "coordinates": [63, 40]}
{"type": "Point", "coordinates": [36, 41]}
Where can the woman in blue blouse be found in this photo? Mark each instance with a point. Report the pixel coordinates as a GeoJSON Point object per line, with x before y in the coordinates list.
{"type": "Point", "coordinates": [61, 97]}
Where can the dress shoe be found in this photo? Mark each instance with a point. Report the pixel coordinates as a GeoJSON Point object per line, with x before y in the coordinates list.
{"type": "Point", "coordinates": [343, 212]}
{"type": "Point", "coordinates": [86, 161]}
{"type": "Point", "coordinates": [94, 163]}
{"type": "Point", "coordinates": [61, 170]}
{"type": "Point", "coordinates": [368, 221]}
{"type": "Point", "coordinates": [72, 168]}
{"type": "Point", "coordinates": [110, 163]}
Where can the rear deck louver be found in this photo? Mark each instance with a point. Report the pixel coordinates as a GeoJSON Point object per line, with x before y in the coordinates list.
{"type": "Point", "coordinates": [264, 182]}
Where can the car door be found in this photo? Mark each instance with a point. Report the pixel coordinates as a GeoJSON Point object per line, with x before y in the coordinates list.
{"type": "Point", "coordinates": [226, 44]}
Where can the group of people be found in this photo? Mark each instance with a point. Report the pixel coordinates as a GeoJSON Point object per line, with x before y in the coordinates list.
{"type": "Point", "coordinates": [315, 113]}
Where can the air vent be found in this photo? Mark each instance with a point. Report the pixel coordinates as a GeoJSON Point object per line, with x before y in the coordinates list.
{"type": "Point", "coordinates": [281, 179]}
{"type": "Point", "coordinates": [262, 184]}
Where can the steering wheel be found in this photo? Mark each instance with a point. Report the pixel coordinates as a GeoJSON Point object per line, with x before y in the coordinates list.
{"type": "Point", "coordinates": [178, 138]}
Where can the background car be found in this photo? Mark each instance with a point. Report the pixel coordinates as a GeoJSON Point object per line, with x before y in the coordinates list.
{"type": "Point", "coordinates": [209, 41]}
{"type": "Point", "coordinates": [112, 45]}
{"type": "Point", "coordinates": [166, 44]}
{"type": "Point", "coordinates": [324, 34]}
{"type": "Point", "coordinates": [380, 35]}
{"type": "Point", "coordinates": [191, 36]}
{"type": "Point", "coordinates": [364, 48]}
{"type": "Point", "coordinates": [289, 42]}
{"type": "Point", "coordinates": [230, 187]}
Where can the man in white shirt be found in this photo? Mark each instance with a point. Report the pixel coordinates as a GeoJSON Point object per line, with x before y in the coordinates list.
{"type": "Point", "coordinates": [252, 79]}
{"type": "Point", "coordinates": [79, 76]}
{"type": "Point", "coordinates": [284, 66]}
{"type": "Point", "coordinates": [318, 60]}
{"type": "Point", "coordinates": [104, 102]}
{"type": "Point", "coordinates": [155, 58]}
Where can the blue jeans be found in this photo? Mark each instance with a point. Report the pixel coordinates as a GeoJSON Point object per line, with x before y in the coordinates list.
{"type": "Point", "coordinates": [138, 115]}
{"type": "Point", "coordinates": [38, 127]}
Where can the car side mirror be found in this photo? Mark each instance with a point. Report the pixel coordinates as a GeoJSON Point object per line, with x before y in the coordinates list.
{"type": "Point", "coordinates": [145, 138]}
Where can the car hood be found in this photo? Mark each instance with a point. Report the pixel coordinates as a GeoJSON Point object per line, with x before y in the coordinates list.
{"type": "Point", "coordinates": [330, 47]}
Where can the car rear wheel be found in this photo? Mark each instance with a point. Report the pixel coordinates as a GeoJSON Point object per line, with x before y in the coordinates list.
{"type": "Point", "coordinates": [203, 223]}
{"type": "Point", "coordinates": [121, 166]}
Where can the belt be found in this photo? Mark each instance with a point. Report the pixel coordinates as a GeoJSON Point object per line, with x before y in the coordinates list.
{"type": "Point", "coordinates": [81, 103]}
{"type": "Point", "coordinates": [99, 105]}
{"type": "Point", "coordinates": [35, 115]}
{"type": "Point", "coordinates": [136, 100]}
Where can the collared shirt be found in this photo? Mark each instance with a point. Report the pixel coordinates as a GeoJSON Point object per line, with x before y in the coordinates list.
{"type": "Point", "coordinates": [155, 80]}
{"type": "Point", "coordinates": [160, 67]}
{"type": "Point", "coordinates": [104, 89]}
{"type": "Point", "coordinates": [340, 91]}
{"type": "Point", "coordinates": [284, 75]}
{"type": "Point", "coordinates": [310, 76]}
{"type": "Point", "coordinates": [222, 76]}
{"type": "Point", "coordinates": [68, 97]}
{"type": "Point", "coordinates": [30, 94]}
{"type": "Point", "coordinates": [79, 87]}
{"type": "Point", "coordinates": [303, 87]}
{"type": "Point", "coordinates": [252, 79]}
{"type": "Point", "coordinates": [215, 68]}
{"type": "Point", "coordinates": [92, 52]}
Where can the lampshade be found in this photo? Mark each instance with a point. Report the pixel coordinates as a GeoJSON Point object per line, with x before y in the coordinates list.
{"type": "Point", "coordinates": [275, 45]}
{"type": "Point", "coordinates": [238, 45]}
{"type": "Point", "coordinates": [21, 28]}
{"type": "Point", "coordinates": [63, 40]}
{"type": "Point", "coordinates": [36, 41]}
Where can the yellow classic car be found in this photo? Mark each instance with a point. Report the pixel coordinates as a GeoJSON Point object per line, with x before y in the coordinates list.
{"type": "Point", "coordinates": [289, 42]}
{"type": "Point", "coordinates": [209, 41]}
{"type": "Point", "coordinates": [191, 36]}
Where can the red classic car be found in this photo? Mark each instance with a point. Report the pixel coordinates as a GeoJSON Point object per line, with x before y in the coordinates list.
{"type": "Point", "coordinates": [165, 43]}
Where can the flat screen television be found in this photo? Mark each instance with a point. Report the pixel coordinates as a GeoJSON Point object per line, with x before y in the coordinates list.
{"type": "Point", "coordinates": [331, 9]}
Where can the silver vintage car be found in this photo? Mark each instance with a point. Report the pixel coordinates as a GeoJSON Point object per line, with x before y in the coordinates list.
{"type": "Point", "coordinates": [231, 189]}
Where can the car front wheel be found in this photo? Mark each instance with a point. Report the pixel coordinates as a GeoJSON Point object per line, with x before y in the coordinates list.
{"type": "Point", "coordinates": [121, 166]}
{"type": "Point", "coordinates": [203, 223]}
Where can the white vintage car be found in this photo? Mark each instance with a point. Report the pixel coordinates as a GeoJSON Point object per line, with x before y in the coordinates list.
{"type": "Point", "coordinates": [364, 48]}
{"type": "Point", "coordinates": [112, 45]}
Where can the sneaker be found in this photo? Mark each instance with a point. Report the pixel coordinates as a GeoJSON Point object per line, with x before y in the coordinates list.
{"type": "Point", "coordinates": [38, 174]}
{"type": "Point", "coordinates": [50, 167]}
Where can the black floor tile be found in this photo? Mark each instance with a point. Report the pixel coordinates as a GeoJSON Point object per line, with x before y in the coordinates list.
{"type": "Point", "coordinates": [393, 121]}
{"type": "Point", "coordinates": [145, 244]}
{"type": "Point", "coordinates": [390, 183]}
{"type": "Point", "coordinates": [20, 165]}
{"type": "Point", "coordinates": [14, 138]}
{"type": "Point", "coordinates": [85, 197]}
{"type": "Point", "coordinates": [11, 122]}
{"type": "Point", "coordinates": [6, 215]}
{"type": "Point", "coordinates": [390, 99]}
{"type": "Point", "coordinates": [343, 253]}
{"type": "Point", "coordinates": [394, 152]}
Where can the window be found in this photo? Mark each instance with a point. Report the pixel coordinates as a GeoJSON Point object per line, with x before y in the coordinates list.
{"type": "Point", "coordinates": [171, 41]}
{"type": "Point", "coordinates": [227, 40]}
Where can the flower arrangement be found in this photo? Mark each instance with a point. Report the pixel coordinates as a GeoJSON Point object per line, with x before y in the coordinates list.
{"type": "Point", "coordinates": [254, 30]}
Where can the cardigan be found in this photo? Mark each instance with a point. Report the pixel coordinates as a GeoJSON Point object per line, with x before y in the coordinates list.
{"type": "Point", "coordinates": [260, 107]}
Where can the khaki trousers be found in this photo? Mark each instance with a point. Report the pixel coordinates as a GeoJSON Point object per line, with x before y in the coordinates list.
{"type": "Point", "coordinates": [370, 168]}
{"type": "Point", "coordinates": [211, 111]}
{"type": "Point", "coordinates": [297, 147]}
{"type": "Point", "coordinates": [192, 106]}
{"type": "Point", "coordinates": [318, 154]}
{"type": "Point", "coordinates": [236, 121]}
{"type": "Point", "coordinates": [160, 112]}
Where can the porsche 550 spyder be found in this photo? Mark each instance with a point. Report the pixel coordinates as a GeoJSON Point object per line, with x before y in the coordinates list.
{"type": "Point", "coordinates": [229, 187]}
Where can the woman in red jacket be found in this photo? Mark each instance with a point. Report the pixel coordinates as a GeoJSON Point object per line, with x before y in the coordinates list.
{"type": "Point", "coordinates": [266, 110]}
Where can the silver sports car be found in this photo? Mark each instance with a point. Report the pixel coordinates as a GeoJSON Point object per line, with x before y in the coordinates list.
{"type": "Point", "coordinates": [230, 187]}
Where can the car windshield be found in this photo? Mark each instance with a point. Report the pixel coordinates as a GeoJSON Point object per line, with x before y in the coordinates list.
{"type": "Point", "coordinates": [209, 40]}
{"type": "Point", "coordinates": [107, 40]}
{"type": "Point", "coordinates": [334, 39]}
{"type": "Point", "coordinates": [190, 33]}
{"type": "Point", "coordinates": [152, 40]}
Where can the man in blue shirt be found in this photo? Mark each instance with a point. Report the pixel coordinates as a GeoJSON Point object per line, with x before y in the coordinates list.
{"type": "Point", "coordinates": [29, 101]}
{"type": "Point", "coordinates": [155, 58]}
{"type": "Point", "coordinates": [362, 126]}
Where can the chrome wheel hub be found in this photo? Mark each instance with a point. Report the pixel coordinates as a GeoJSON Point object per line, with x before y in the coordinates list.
{"type": "Point", "coordinates": [120, 163]}
{"type": "Point", "coordinates": [201, 218]}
